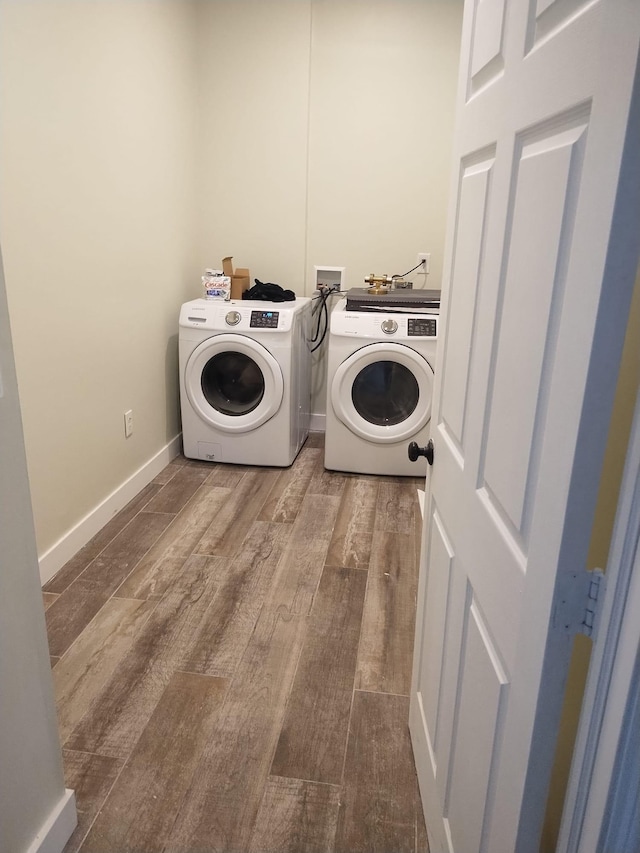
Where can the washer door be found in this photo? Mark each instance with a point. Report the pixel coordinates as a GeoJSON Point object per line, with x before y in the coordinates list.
{"type": "Point", "coordinates": [382, 392]}
{"type": "Point", "coordinates": [234, 383]}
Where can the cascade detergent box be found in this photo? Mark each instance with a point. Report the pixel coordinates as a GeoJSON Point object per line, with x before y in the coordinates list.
{"type": "Point", "coordinates": [216, 285]}
{"type": "Point", "coordinates": [239, 278]}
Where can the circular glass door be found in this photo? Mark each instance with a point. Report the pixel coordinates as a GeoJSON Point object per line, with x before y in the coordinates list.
{"type": "Point", "coordinates": [385, 393]}
{"type": "Point", "coordinates": [382, 392]}
{"type": "Point", "coordinates": [234, 383]}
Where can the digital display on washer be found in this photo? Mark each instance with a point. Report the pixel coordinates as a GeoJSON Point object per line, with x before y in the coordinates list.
{"type": "Point", "coordinates": [264, 319]}
{"type": "Point", "coordinates": [424, 327]}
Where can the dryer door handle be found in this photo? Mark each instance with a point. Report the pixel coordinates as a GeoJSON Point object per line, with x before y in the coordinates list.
{"type": "Point", "coordinates": [415, 451]}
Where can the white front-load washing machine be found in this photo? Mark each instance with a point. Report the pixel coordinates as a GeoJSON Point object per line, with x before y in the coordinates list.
{"type": "Point", "coordinates": [245, 380]}
{"type": "Point", "coordinates": [379, 390]}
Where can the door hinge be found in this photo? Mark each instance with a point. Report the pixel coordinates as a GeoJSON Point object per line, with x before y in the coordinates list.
{"type": "Point", "coordinates": [595, 594]}
{"type": "Point", "coordinates": [579, 602]}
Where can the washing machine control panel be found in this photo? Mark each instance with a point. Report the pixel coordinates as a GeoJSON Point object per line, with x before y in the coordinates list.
{"type": "Point", "coordinates": [424, 327]}
{"type": "Point", "coordinates": [264, 319]}
{"type": "Point", "coordinates": [237, 316]}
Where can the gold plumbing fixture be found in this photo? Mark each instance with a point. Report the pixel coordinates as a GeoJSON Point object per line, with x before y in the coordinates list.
{"type": "Point", "coordinates": [378, 283]}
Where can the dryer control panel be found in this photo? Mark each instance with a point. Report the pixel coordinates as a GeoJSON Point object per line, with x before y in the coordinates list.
{"type": "Point", "coordinates": [383, 325]}
{"type": "Point", "coordinates": [241, 316]}
{"type": "Point", "coordinates": [423, 327]}
{"type": "Point", "coordinates": [264, 319]}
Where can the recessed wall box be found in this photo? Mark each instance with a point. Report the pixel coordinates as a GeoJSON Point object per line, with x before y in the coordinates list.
{"type": "Point", "coordinates": [329, 277]}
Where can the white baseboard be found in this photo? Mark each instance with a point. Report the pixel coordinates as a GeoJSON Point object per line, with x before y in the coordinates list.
{"type": "Point", "coordinates": [69, 544]}
{"type": "Point", "coordinates": [318, 423]}
{"type": "Point", "coordinates": [58, 827]}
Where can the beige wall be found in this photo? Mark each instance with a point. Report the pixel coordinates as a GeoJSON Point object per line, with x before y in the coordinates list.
{"type": "Point", "coordinates": [252, 139]}
{"type": "Point", "coordinates": [142, 141]}
{"type": "Point", "coordinates": [383, 84]}
{"type": "Point", "coordinates": [325, 134]}
{"type": "Point", "coordinates": [97, 109]}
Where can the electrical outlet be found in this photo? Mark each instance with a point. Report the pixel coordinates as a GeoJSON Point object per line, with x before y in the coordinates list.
{"type": "Point", "coordinates": [424, 258]}
{"type": "Point", "coordinates": [128, 423]}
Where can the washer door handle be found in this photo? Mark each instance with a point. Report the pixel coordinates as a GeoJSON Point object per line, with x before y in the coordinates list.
{"type": "Point", "coordinates": [415, 451]}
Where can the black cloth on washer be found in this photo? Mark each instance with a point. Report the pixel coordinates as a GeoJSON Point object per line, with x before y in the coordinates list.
{"type": "Point", "coordinates": [268, 292]}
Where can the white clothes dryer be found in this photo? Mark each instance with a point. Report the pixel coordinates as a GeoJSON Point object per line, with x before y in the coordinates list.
{"type": "Point", "coordinates": [379, 390]}
{"type": "Point", "coordinates": [245, 380]}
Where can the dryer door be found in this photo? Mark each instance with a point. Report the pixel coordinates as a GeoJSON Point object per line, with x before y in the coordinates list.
{"type": "Point", "coordinates": [234, 383]}
{"type": "Point", "coordinates": [382, 392]}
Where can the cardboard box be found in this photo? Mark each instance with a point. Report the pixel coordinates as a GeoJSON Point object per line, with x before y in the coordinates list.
{"type": "Point", "coordinates": [240, 278]}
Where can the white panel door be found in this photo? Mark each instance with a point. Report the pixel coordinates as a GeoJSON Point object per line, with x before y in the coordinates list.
{"type": "Point", "coordinates": [542, 251]}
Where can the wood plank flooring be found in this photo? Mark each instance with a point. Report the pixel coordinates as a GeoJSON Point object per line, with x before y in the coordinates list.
{"type": "Point", "coordinates": [232, 658]}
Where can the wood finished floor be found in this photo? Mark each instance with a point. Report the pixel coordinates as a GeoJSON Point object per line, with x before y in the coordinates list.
{"type": "Point", "coordinates": [232, 658]}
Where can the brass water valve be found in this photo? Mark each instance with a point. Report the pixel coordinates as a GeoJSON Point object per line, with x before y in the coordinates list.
{"type": "Point", "coordinates": [378, 283]}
